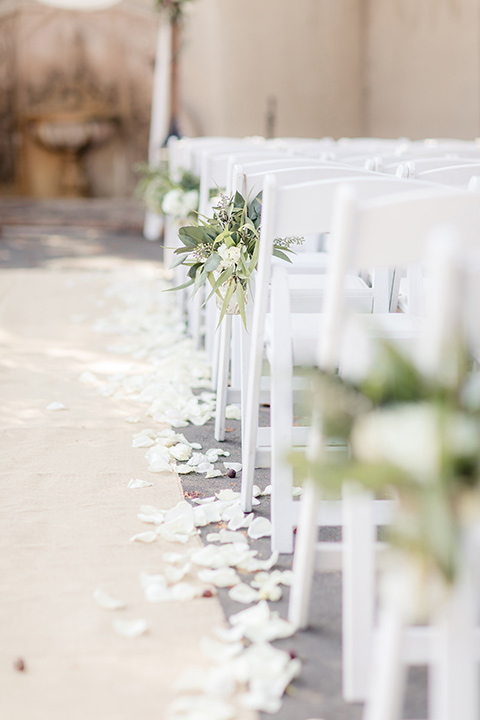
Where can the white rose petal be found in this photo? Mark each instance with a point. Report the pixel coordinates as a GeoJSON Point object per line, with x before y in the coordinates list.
{"type": "Point", "coordinates": [200, 707]}
{"type": "Point", "coordinates": [227, 495]}
{"type": "Point", "coordinates": [254, 565]}
{"type": "Point", "coordinates": [136, 484]}
{"type": "Point", "coordinates": [260, 527]}
{"type": "Point", "coordinates": [130, 628]}
{"type": "Point", "coordinates": [233, 412]}
{"type": "Point", "coordinates": [184, 469]}
{"type": "Point", "coordinates": [144, 537]}
{"type": "Point", "coordinates": [243, 593]}
{"type": "Point", "coordinates": [240, 520]}
{"type": "Point", "coordinates": [220, 652]}
{"type": "Point", "coordinates": [227, 536]}
{"type": "Point", "coordinates": [142, 442]}
{"type": "Point", "coordinates": [88, 377]}
{"type": "Point", "coordinates": [183, 592]}
{"type": "Point", "coordinates": [56, 406]}
{"type": "Point", "coordinates": [181, 451]}
{"type": "Point", "coordinates": [106, 601]}
{"type": "Point", "coordinates": [213, 473]}
{"type": "Point", "coordinates": [222, 578]}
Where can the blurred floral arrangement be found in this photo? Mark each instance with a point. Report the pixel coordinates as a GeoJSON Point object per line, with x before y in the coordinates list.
{"type": "Point", "coordinates": [174, 8]}
{"type": "Point", "coordinates": [223, 250]}
{"type": "Point", "coordinates": [412, 435]}
{"type": "Point", "coordinates": [164, 196]}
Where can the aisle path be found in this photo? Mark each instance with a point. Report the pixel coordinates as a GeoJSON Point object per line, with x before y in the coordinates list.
{"type": "Point", "coordinates": [66, 517]}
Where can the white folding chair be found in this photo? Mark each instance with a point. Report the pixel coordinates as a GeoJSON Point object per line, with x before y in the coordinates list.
{"type": "Point", "coordinates": [306, 207]}
{"type": "Point", "coordinates": [250, 183]}
{"type": "Point", "coordinates": [450, 645]}
{"type": "Point", "coordinates": [360, 231]}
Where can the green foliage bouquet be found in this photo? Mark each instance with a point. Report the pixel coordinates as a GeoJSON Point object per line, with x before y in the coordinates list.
{"type": "Point", "coordinates": [412, 434]}
{"type": "Point", "coordinates": [223, 250]}
{"type": "Point", "coordinates": [165, 196]}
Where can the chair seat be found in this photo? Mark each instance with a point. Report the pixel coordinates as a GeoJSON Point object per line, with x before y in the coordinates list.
{"type": "Point", "coordinates": [398, 327]}
{"type": "Point", "coordinates": [307, 293]}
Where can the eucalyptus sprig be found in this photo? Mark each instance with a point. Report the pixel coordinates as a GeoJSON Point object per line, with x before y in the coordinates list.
{"type": "Point", "coordinates": [223, 250]}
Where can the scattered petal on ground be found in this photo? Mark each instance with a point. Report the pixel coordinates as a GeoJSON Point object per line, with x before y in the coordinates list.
{"type": "Point", "coordinates": [243, 593]}
{"type": "Point", "coordinates": [260, 527]}
{"type": "Point", "coordinates": [144, 537]}
{"type": "Point", "coordinates": [130, 628]}
{"type": "Point", "coordinates": [220, 652]}
{"type": "Point", "coordinates": [225, 577]}
{"type": "Point", "coordinates": [135, 484]}
{"type": "Point", "coordinates": [227, 494]}
{"type": "Point", "coordinates": [106, 601]}
{"type": "Point", "coordinates": [88, 377]}
{"type": "Point", "coordinates": [233, 412]}
{"type": "Point", "coordinates": [200, 707]}
{"type": "Point", "coordinates": [56, 406]}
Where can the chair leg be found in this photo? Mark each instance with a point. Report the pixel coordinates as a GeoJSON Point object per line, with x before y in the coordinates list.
{"type": "Point", "coordinates": [304, 557]}
{"type": "Point", "coordinates": [216, 353]}
{"type": "Point", "coordinates": [250, 424]}
{"type": "Point", "coordinates": [388, 670]}
{"type": "Point", "coordinates": [281, 421]}
{"type": "Point", "coordinates": [236, 361]}
{"type": "Point", "coordinates": [211, 320]}
{"type": "Point", "coordinates": [222, 378]}
{"type": "Point", "coordinates": [195, 318]}
{"type": "Point", "coordinates": [358, 597]}
{"type": "Point", "coordinates": [453, 685]}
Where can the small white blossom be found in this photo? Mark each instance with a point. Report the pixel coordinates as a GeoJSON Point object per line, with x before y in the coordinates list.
{"type": "Point", "coordinates": [230, 256]}
{"type": "Point", "coordinates": [180, 204]}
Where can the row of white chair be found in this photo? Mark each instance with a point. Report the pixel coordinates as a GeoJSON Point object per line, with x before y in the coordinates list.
{"type": "Point", "coordinates": [395, 226]}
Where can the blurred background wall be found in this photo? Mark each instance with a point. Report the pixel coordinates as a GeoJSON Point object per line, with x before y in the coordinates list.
{"type": "Point", "coordinates": [312, 68]}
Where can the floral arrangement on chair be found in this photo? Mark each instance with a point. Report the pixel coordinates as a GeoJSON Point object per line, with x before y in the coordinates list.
{"type": "Point", "coordinates": [164, 196]}
{"type": "Point", "coordinates": [416, 436]}
{"type": "Point", "coordinates": [223, 250]}
{"type": "Point", "coordinates": [174, 8]}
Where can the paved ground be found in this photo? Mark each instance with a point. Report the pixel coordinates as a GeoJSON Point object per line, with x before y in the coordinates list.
{"type": "Point", "coordinates": [36, 236]}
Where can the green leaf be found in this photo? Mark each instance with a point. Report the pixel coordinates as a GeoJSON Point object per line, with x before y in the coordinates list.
{"type": "Point", "coordinates": [200, 279]}
{"type": "Point", "coordinates": [241, 303]}
{"type": "Point", "coordinates": [189, 283]}
{"type": "Point", "coordinates": [193, 270]}
{"type": "Point", "coordinates": [280, 254]}
{"type": "Point", "coordinates": [212, 262]}
{"type": "Point", "coordinates": [254, 260]}
{"type": "Point", "coordinates": [192, 235]}
{"type": "Point", "coordinates": [226, 301]}
{"type": "Point", "coordinates": [226, 275]}
{"type": "Point", "coordinates": [176, 261]}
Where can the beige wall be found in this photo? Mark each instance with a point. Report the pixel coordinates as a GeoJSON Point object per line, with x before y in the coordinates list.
{"type": "Point", "coordinates": [335, 67]}
{"type": "Point", "coordinates": [422, 68]}
{"type": "Point", "coordinates": [306, 54]}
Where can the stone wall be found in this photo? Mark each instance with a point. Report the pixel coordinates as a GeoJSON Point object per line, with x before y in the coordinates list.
{"type": "Point", "coordinates": [74, 79]}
